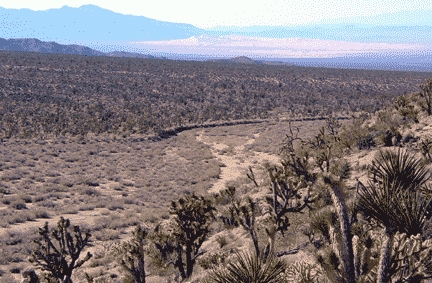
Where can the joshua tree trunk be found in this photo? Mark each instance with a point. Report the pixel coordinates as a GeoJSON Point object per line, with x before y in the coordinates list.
{"type": "Point", "coordinates": [189, 263]}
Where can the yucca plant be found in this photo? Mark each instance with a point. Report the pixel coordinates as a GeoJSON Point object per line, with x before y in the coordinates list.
{"type": "Point", "coordinates": [249, 268]}
{"type": "Point", "coordinates": [399, 167]}
{"type": "Point", "coordinates": [393, 208]}
{"type": "Point", "coordinates": [394, 200]}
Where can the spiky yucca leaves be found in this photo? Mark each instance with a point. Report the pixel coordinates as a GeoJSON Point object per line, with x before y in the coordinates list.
{"type": "Point", "coordinates": [394, 199]}
{"type": "Point", "coordinates": [60, 257]}
{"type": "Point", "coordinates": [394, 208]}
{"type": "Point", "coordinates": [399, 167]}
{"type": "Point", "coordinates": [249, 268]}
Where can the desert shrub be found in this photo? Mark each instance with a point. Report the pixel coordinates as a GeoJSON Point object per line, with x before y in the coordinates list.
{"type": "Point", "coordinates": [47, 204]}
{"type": "Point", "coordinates": [18, 204]}
{"type": "Point", "coordinates": [39, 198]}
{"type": "Point", "coordinates": [41, 213]}
{"type": "Point", "coordinates": [26, 198]}
{"type": "Point", "coordinates": [91, 183]}
{"type": "Point", "coordinates": [12, 175]}
{"type": "Point", "coordinates": [117, 204]}
{"type": "Point", "coordinates": [19, 217]}
{"type": "Point", "coordinates": [107, 235]}
{"type": "Point", "coordinates": [212, 260]}
{"type": "Point", "coordinates": [90, 192]}
{"type": "Point", "coordinates": [86, 207]}
{"type": "Point", "coordinates": [364, 140]}
{"type": "Point", "coordinates": [4, 189]}
{"type": "Point", "coordinates": [426, 148]}
{"type": "Point", "coordinates": [406, 109]}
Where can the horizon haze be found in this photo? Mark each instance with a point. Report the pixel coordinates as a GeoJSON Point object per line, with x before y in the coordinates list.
{"type": "Point", "coordinates": [397, 29]}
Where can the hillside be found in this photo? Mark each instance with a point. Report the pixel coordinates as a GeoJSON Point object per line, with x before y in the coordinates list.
{"type": "Point", "coordinates": [77, 95]}
{"type": "Point", "coordinates": [284, 189]}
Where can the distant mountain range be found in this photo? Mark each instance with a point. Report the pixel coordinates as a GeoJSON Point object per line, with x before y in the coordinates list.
{"type": "Point", "coordinates": [92, 23]}
{"type": "Point", "coordinates": [35, 45]}
{"type": "Point", "coordinates": [395, 41]}
{"type": "Point", "coordinates": [87, 22]}
{"type": "Point", "coordinates": [394, 61]}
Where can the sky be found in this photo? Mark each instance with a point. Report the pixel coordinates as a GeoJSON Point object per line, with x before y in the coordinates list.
{"type": "Point", "coordinates": [239, 13]}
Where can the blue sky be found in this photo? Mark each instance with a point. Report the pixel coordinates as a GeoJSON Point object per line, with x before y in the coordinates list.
{"type": "Point", "coordinates": [213, 13]}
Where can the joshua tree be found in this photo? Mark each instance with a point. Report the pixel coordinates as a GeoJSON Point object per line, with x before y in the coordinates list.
{"type": "Point", "coordinates": [130, 256]}
{"type": "Point", "coordinates": [290, 194]}
{"type": "Point", "coordinates": [187, 231]}
{"type": "Point", "coordinates": [60, 257]}
{"type": "Point", "coordinates": [245, 212]}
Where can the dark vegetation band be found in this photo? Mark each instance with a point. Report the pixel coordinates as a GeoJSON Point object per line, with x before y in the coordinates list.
{"type": "Point", "coordinates": [51, 95]}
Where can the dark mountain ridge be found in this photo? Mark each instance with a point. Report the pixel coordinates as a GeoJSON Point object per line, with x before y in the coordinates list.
{"type": "Point", "coordinates": [36, 45]}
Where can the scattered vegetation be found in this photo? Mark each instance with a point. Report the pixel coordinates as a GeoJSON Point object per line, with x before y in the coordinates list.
{"type": "Point", "coordinates": [46, 95]}
{"type": "Point", "coordinates": [351, 202]}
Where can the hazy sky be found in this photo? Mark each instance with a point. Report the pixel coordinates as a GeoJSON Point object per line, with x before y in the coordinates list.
{"type": "Point", "coordinates": [211, 13]}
